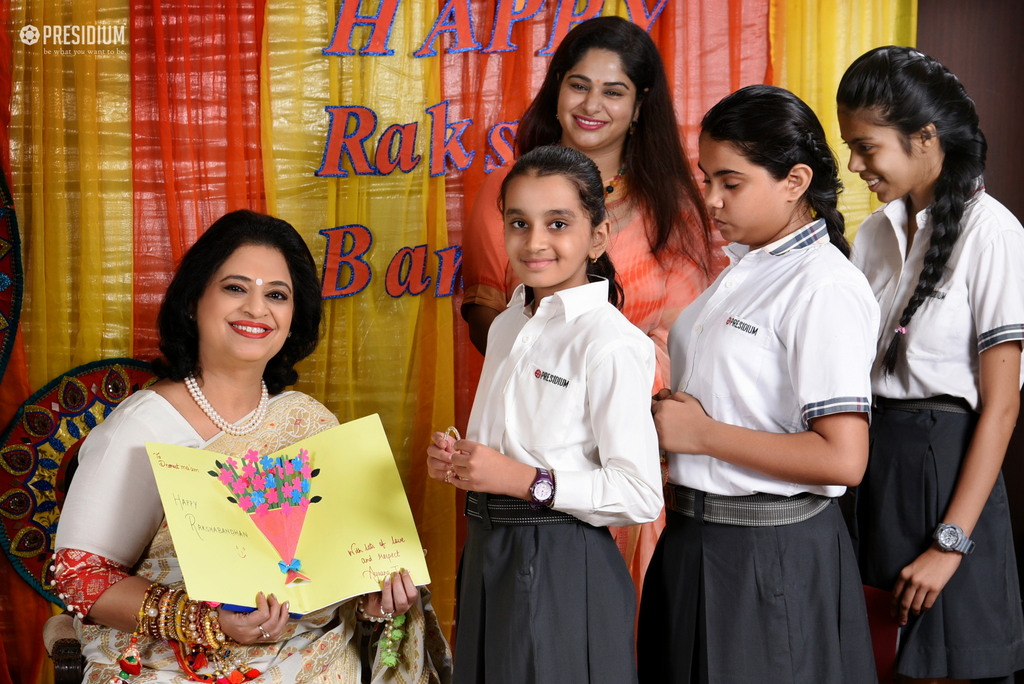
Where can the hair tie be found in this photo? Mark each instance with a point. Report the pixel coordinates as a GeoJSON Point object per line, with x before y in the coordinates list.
{"type": "Point", "coordinates": [900, 330]}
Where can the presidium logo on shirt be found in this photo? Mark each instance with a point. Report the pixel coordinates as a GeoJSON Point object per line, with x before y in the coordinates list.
{"type": "Point", "coordinates": [549, 377]}
{"type": "Point", "coordinates": [741, 325]}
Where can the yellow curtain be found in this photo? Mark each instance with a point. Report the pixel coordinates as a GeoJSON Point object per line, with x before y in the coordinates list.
{"type": "Point", "coordinates": [813, 42]}
{"type": "Point", "coordinates": [71, 167]}
{"type": "Point", "coordinates": [380, 354]}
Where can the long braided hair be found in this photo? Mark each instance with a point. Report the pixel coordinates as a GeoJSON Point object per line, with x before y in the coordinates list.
{"type": "Point", "coordinates": [908, 90]}
{"type": "Point", "coordinates": [776, 130]}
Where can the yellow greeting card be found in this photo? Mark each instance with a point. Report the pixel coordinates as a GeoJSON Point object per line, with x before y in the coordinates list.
{"type": "Point", "coordinates": [316, 523]}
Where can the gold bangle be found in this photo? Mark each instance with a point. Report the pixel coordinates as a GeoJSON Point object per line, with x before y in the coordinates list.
{"type": "Point", "coordinates": [140, 619]}
{"type": "Point", "coordinates": [153, 611]}
{"type": "Point", "coordinates": [179, 616]}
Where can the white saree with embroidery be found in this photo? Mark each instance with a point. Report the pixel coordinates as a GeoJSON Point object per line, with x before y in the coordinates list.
{"type": "Point", "coordinates": [114, 511]}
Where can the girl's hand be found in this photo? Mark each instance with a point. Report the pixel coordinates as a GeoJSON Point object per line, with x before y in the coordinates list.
{"type": "Point", "coordinates": [482, 469]}
{"type": "Point", "coordinates": [265, 625]}
{"type": "Point", "coordinates": [680, 420]}
{"type": "Point", "coordinates": [396, 596]}
{"type": "Point", "coordinates": [439, 457]}
{"type": "Point", "coordinates": [663, 393]}
{"type": "Point", "coordinates": [920, 583]}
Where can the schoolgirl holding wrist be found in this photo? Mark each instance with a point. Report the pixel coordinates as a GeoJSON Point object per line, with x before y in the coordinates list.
{"type": "Point", "coordinates": [944, 260]}
{"type": "Point", "coordinates": [560, 443]}
{"type": "Point", "coordinates": [754, 578]}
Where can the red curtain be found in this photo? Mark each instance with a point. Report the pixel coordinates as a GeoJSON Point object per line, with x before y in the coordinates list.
{"type": "Point", "coordinates": [195, 134]}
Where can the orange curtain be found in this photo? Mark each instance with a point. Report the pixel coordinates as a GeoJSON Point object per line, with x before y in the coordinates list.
{"type": "Point", "coordinates": [195, 114]}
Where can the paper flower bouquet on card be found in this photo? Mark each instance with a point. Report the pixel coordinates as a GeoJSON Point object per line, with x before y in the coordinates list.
{"type": "Point", "coordinates": [315, 523]}
{"type": "Point", "coordinates": [274, 493]}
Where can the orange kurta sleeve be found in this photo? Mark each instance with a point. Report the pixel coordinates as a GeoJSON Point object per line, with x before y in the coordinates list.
{"type": "Point", "coordinates": [485, 271]}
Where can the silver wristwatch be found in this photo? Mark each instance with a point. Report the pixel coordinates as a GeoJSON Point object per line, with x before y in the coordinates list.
{"type": "Point", "coordinates": [951, 537]}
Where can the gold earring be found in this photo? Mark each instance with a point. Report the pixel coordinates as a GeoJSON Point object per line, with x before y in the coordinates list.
{"type": "Point", "coordinates": [632, 127]}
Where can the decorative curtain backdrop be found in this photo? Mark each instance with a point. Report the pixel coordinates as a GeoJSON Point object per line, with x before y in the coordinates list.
{"type": "Point", "coordinates": [368, 126]}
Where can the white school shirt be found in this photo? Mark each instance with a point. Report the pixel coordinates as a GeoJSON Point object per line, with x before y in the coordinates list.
{"type": "Point", "coordinates": [568, 388]}
{"type": "Point", "coordinates": [978, 303]}
{"type": "Point", "coordinates": [783, 336]}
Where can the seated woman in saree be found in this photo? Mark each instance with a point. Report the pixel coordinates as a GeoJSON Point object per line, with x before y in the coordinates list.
{"type": "Point", "coordinates": [243, 308]}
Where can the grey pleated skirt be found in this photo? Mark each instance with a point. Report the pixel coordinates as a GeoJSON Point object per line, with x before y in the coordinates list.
{"type": "Point", "coordinates": [544, 604]}
{"type": "Point", "coordinates": [975, 630]}
{"type": "Point", "coordinates": [732, 604]}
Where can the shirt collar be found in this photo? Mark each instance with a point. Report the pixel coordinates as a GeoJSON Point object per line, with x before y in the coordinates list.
{"type": "Point", "coordinates": [574, 302]}
{"type": "Point", "coordinates": [899, 219]}
{"type": "Point", "coordinates": [811, 234]}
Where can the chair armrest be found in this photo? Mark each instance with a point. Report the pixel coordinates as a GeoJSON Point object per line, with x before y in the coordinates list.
{"type": "Point", "coordinates": [65, 651]}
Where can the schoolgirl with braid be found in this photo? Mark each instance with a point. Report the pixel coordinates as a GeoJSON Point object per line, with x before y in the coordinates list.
{"type": "Point", "coordinates": [944, 260]}
{"type": "Point", "coordinates": [754, 578]}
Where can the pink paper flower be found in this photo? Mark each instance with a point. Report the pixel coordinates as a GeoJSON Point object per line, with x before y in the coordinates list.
{"type": "Point", "coordinates": [272, 496]}
{"type": "Point", "coordinates": [239, 486]}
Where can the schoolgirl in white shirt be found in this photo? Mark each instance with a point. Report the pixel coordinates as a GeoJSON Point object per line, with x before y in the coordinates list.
{"type": "Point", "coordinates": [560, 443]}
{"type": "Point", "coordinates": [945, 262]}
{"type": "Point", "coordinates": [754, 578]}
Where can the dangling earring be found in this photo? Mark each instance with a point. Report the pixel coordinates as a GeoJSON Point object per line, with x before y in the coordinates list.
{"type": "Point", "coordinates": [632, 127]}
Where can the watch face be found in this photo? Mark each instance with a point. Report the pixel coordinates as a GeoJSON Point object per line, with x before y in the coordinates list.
{"type": "Point", "coordinates": [542, 491]}
{"type": "Point", "coordinates": [948, 537]}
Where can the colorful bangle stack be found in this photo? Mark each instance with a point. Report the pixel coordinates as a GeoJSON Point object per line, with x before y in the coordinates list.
{"type": "Point", "coordinates": [192, 628]}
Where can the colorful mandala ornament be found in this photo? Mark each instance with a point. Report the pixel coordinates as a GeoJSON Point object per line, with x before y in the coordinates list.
{"type": "Point", "coordinates": [12, 281]}
{"type": "Point", "coordinates": [38, 455]}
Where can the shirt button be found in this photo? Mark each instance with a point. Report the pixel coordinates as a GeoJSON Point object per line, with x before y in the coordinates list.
{"type": "Point", "coordinates": [697, 328]}
{"type": "Point", "coordinates": [526, 339]}
{"type": "Point", "coordinates": [729, 284]}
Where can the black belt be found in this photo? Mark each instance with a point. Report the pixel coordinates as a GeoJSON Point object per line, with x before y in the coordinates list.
{"type": "Point", "coordinates": [497, 509]}
{"type": "Point", "coordinates": [943, 402]}
{"type": "Point", "coordinates": [754, 510]}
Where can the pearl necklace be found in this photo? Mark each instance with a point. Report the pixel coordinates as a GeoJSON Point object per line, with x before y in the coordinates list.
{"type": "Point", "coordinates": [216, 419]}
